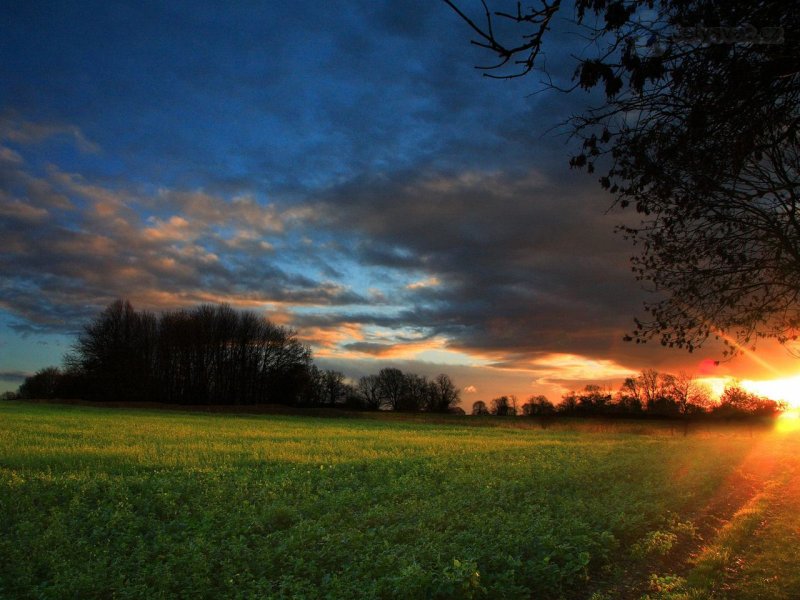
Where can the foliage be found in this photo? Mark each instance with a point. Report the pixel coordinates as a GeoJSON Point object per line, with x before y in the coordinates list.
{"type": "Point", "coordinates": [130, 504]}
{"type": "Point", "coordinates": [698, 131]}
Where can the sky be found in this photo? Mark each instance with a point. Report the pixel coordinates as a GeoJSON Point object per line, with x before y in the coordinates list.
{"type": "Point", "coordinates": [340, 168]}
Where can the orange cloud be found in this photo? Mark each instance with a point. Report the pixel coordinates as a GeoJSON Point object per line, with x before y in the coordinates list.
{"type": "Point", "coordinates": [424, 283]}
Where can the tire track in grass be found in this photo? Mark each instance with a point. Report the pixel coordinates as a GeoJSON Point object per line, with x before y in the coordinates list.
{"type": "Point", "coordinates": [751, 530]}
{"type": "Point", "coordinates": [663, 576]}
{"type": "Point", "coordinates": [764, 564]}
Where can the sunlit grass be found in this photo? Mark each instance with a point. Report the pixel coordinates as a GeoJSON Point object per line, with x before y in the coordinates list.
{"type": "Point", "coordinates": [130, 503]}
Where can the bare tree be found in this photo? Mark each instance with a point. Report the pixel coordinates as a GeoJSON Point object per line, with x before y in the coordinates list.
{"type": "Point", "coordinates": [444, 394]}
{"type": "Point", "coordinates": [650, 385]}
{"type": "Point", "coordinates": [690, 395]}
{"type": "Point", "coordinates": [333, 386]}
{"type": "Point", "coordinates": [369, 389]}
{"type": "Point", "coordinates": [479, 408]}
{"type": "Point", "coordinates": [504, 406]}
{"type": "Point", "coordinates": [392, 385]}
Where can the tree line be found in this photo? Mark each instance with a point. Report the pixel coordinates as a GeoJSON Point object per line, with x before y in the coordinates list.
{"type": "Point", "coordinates": [213, 354]}
{"type": "Point", "coordinates": [649, 395]}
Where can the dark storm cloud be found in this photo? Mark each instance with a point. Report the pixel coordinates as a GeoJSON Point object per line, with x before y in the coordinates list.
{"type": "Point", "coordinates": [370, 348]}
{"type": "Point", "coordinates": [524, 265]}
{"type": "Point", "coordinates": [277, 97]}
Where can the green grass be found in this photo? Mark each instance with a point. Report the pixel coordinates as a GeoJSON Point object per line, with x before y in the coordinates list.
{"type": "Point", "coordinates": [116, 503]}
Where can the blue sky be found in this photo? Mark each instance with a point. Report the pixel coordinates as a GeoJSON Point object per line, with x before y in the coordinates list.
{"type": "Point", "coordinates": [340, 167]}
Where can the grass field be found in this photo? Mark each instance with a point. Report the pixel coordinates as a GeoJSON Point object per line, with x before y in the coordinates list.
{"type": "Point", "coordinates": [126, 503]}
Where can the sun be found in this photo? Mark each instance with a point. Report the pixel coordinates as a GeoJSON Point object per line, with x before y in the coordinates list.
{"type": "Point", "coordinates": [786, 389]}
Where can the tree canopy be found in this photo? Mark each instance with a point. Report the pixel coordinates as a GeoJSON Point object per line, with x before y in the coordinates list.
{"type": "Point", "coordinates": [698, 133]}
{"type": "Point", "coordinates": [216, 355]}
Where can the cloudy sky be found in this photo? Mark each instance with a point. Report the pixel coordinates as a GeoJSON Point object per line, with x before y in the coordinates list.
{"type": "Point", "coordinates": [340, 167]}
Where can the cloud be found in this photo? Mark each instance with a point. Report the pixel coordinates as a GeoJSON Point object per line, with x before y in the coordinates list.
{"type": "Point", "coordinates": [72, 245]}
{"type": "Point", "coordinates": [13, 376]}
{"type": "Point", "coordinates": [506, 269]}
{"type": "Point", "coordinates": [424, 283]}
{"type": "Point", "coordinates": [17, 130]}
{"type": "Point", "coordinates": [516, 263]}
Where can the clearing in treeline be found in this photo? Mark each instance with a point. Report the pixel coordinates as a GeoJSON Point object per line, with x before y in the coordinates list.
{"type": "Point", "coordinates": [120, 503]}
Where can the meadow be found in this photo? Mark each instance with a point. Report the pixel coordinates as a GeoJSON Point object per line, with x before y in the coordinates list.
{"type": "Point", "coordinates": [131, 503]}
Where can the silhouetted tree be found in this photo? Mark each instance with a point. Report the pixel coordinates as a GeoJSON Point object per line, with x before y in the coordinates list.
{"type": "Point", "coordinates": [392, 385]}
{"type": "Point", "coordinates": [629, 397]}
{"type": "Point", "coordinates": [42, 385]}
{"type": "Point", "coordinates": [370, 391]}
{"type": "Point", "coordinates": [651, 386]}
{"type": "Point", "coordinates": [415, 393]}
{"type": "Point", "coordinates": [593, 401]}
{"type": "Point", "coordinates": [504, 406]}
{"type": "Point", "coordinates": [538, 405]}
{"type": "Point", "coordinates": [115, 352]}
{"type": "Point", "coordinates": [699, 132]}
{"type": "Point", "coordinates": [540, 408]}
{"type": "Point", "coordinates": [334, 387]}
{"type": "Point", "coordinates": [736, 402]}
{"type": "Point", "coordinates": [479, 408]}
{"type": "Point", "coordinates": [690, 396]}
{"type": "Point", "coordinates": [209, 354]}
{"type": "Point", "coordinates": [654, 390]}
{"type": "Point", "coordinates": [444, 395]}
{"type": "Point", "coordinates": [569, 404]}
{"type": "Point", "coordinates": [352, 399]}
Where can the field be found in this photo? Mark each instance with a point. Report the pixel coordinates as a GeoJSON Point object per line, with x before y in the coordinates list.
{"type": "Point", "coordinates": [128, 503]}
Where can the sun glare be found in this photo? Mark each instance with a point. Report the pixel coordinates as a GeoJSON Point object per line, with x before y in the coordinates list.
{"type": "Point", "coordinates": [786, 389]}
{"type": "Point", "coordinates": [789, 421]}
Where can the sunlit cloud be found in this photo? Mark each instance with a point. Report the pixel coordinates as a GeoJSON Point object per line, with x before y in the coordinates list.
{"type": "Point", "coordinates": [328, 341]}
{"type": "Point", "coordinates": [20, 211]}
{"type": "Point", "coordinates": [171, 249]}
{"type": "Point", "coordinates": [424, 283]}
{"type": "Point", "coordinates": [20, 131]}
